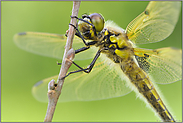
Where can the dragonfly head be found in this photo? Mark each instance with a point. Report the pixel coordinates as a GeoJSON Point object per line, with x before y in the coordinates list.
{"type": "Point", "coordinates": [91, 25]}
{"type": "Point", "coordinates": [96, 19]}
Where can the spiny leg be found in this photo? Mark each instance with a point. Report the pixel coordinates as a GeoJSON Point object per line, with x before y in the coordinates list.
{"type": "Point", "coordinates": [88, 69]}
{"type": "Point", "coordinates": [77, 51]}
{"type": "Point", "coordinates": [79, 34]}
{"type": "Point", "coordinates": [82, 49]}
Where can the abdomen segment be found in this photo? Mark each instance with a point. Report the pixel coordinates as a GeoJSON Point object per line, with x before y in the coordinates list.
{"type": "Point", "coordinates": [145, 87]}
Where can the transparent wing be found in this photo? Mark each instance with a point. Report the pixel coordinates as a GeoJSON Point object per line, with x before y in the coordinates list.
{"type": "Point", "coordinates": [47, 44]}
{"type": "Point", "coordinates": [154, 24]}
{"type": "Point", "coordinates": [106, 80]}
{"type": "Point", "coordinates": [164, 65]}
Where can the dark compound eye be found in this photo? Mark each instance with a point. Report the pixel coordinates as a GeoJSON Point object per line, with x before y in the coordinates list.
{"type": "Point", "coordinates": [97, 21]}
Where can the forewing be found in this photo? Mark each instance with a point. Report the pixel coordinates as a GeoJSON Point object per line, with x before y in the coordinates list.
{"type": "Point", "coordinates": [106, 80]}
{"type": "Point", "coordinates": [164, 65]}
{"type": "Point", "coordinates": [154, 24]}
{"type": "Point", "coordinates": [47, 44]}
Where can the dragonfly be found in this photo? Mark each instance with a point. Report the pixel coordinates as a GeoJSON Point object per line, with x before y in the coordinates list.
{"type": "Point", "coordinates": [118, 65]}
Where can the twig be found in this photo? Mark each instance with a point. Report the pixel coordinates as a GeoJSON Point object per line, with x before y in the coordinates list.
{"type": "Point", "coordinates": [54, 90]}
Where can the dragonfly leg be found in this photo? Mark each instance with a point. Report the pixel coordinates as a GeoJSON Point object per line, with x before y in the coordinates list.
{"type": "Point", "coordinates": [85, 48]}
{"type": "Point", "coordinates": [77, 51]}
{"type": "Point", "coordinates": [79, 34]}
{"type": "Point", "coordinates": [82, 49]}
{"type": "Point", "coordinates": [86, 70]}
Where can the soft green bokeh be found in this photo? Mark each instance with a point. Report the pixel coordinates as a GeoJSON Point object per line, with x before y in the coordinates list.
{"type": "Point", "coordinates": [21, 70]}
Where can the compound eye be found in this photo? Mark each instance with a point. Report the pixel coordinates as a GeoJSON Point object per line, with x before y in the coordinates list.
{"type": "Point", "coordinates": [97, 21]}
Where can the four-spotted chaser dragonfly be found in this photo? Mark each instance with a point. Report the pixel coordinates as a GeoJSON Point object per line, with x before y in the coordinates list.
{"type": "Point", "coordinates": [117, 61]}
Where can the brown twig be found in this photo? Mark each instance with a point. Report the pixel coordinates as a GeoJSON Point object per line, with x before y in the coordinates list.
{"type": "Point", "coordinates": [55, 91]}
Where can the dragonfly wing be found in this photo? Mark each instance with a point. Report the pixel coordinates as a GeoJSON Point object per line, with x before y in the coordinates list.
{"type": "Point", "coordinates": [164, 65]}
{"type": "Point", "coordinates": [106, 80]}
{"type": "Point", "coordinates": [154, 24]}
{"type": "Point", "coordinates": [47, 44]}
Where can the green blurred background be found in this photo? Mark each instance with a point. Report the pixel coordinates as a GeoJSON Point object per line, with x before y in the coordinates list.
{"type": "Point", "coordinates": [20, 70]}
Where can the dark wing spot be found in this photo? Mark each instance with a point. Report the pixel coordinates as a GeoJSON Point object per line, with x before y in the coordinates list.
{"type": "Point", "coordinates": [22, 33]}
{"type": "Point", "coordinates": [38, 83]}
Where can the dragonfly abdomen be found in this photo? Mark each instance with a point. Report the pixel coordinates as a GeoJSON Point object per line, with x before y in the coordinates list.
{"type": "Point", "coordinates": [145, 87]}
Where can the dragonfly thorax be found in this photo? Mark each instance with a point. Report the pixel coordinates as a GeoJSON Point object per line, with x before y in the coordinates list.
{"type": "Point", "coordinates": [118, 46]}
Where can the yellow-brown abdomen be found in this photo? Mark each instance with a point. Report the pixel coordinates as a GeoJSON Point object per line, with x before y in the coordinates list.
{"type": "Point", "coordinates": [145, 87]}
